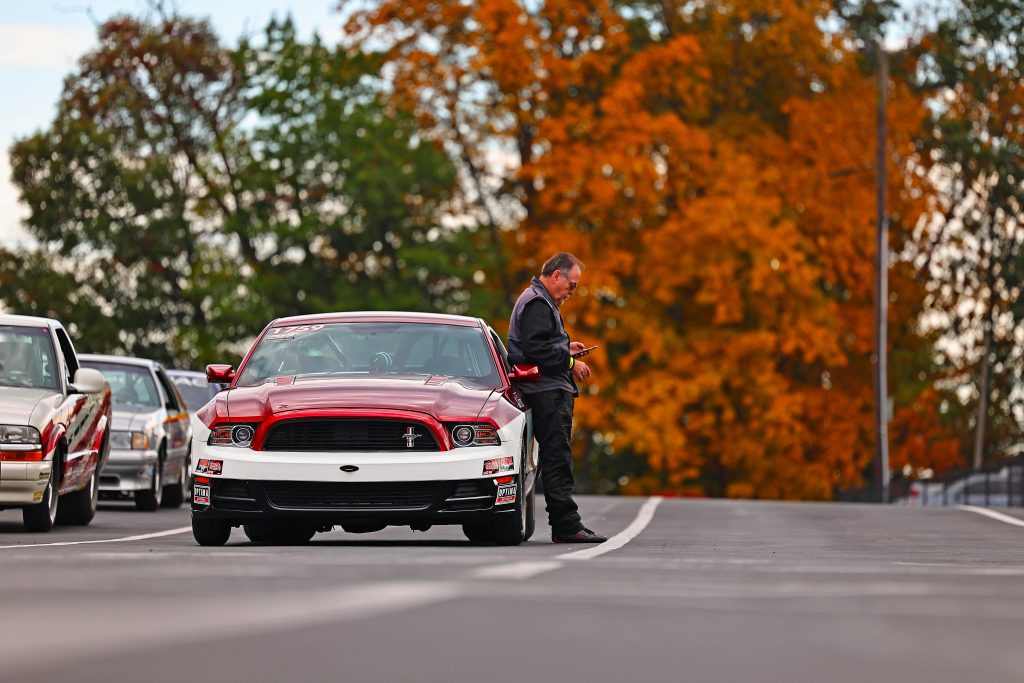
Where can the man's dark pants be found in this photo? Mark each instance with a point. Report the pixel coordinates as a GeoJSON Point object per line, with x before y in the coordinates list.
{"type": "Point", "coordinates": [552, 426]}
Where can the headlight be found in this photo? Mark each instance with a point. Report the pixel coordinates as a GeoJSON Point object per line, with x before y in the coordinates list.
{"type": "Point", "coordinates": [19, 435]}
{"type": "Point", "coordinates": [129, 441]}
{"type": "Point", "coordinates": [239, 435]}
{"type": "Point", "coordinates": [474, 434]}
{"type": "Point", "coordinates": [20, 443]}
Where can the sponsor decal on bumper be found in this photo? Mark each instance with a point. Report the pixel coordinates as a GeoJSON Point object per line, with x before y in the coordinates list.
{"type": "Point", "coordinates": [205, 466]}
{"type": "Point", "coordinates": [506, 494]}
{"type": "Point", "coordinates": [201, 494]}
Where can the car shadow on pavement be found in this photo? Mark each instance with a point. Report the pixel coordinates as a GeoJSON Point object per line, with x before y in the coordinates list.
{"type": "Point", "coordinates": [377, 544]}
{"type": "Point", "coordinates": [130, 507]}
{"type": "Point", "coordinates": [412, 543]}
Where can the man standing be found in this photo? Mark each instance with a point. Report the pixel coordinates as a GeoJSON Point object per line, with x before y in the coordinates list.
{"type": "Point", "coordinates": [536, 336]}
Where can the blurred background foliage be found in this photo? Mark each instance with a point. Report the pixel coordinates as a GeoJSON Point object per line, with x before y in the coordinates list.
{"type": "Point", "coordinates": [711, 162]}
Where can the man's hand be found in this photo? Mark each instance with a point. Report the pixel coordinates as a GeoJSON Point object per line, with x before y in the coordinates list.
{"type": "Point", "coordinates": [580, 371]}
{"type": "Point", "coordinates": [576, 347]}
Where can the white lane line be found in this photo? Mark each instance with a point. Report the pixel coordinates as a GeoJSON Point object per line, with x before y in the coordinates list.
{"type": "Point", "coordinates": [949, 569]}
{"type": "Point", "coordinates": [516, 571]}
{"type": "Point", "coordinates": [998, 516]}
{"type": "Point", "coordinates": [120, 626]}
{"type": "Point", "coordinates": [521, 571]}
{"type": "Point", "coordinates": [125, 539]}
{"type": "Point", "coordinates": [643, 518]}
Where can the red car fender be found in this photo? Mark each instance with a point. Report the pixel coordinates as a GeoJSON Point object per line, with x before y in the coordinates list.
{"type": "Point", "coordinates": [56, 432]}
{"type": "Point", "coordinates": [97, 445]}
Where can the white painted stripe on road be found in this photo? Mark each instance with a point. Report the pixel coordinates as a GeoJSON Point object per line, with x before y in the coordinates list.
{"type": "Point", "coordinates": [125, 539]}
{"type": "Point", "coordinates": [518, 571]}
{"type": "Point", "coordinates": [122, 627]}
{"type": "Point", "coordinates": [643, 518]}
{"type": "Point", "coordinates": [998, 516]}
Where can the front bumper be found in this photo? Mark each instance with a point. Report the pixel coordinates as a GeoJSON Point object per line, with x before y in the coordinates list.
{"type": "Point", "coordinates": [397, 503]}
{"type": "Point", "coordinates": [381, 466]}
{"type": "Point", "coordinates": [128, 471]}
{"type": "Point", "coordinates": [23, 483]}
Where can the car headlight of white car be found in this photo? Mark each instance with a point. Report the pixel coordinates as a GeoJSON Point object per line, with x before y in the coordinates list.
{"type": "Point", "coordinates": [129, 441]}
{"type": "Point", "coordinates": [20, 443]}
{"type": "Point", "coordinates": [239, 435]}
{"type": "Point", "coordinates": [474, 434]}
{"type": "Point", "coordinates": [19, 435]}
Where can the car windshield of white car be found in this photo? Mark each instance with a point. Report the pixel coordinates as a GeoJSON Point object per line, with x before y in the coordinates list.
{"type": "Point", "coordinates": [195, 390]}
{"type": "Point", "coordinates": [132, 385]}
{"type": "Point", "coordinates": [373, 350]}
{"type": "Point", "coordinates": [27, 358]}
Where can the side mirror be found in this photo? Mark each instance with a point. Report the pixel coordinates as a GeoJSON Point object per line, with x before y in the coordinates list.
{"type": "Point", "coordinates": [524, 373]}
{"type": "Point", "coordinates": [220, 374]}
{"type": "Point", "coordinates": [88, 381]}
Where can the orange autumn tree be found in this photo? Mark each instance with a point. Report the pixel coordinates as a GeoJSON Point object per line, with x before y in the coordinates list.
{"type": "Point", "coordinates": [712, 166]}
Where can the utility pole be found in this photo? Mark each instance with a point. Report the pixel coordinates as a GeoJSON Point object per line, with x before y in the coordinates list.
{"type": "Point", "coordinates": [881, 286]}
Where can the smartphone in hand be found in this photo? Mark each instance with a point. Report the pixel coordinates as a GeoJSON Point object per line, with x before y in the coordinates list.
{"type": "Point", "coordinates": [580, 354]}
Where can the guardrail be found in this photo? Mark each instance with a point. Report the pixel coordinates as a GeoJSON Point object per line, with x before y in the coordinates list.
{"type": "Point", "coordinates": [997, 485]}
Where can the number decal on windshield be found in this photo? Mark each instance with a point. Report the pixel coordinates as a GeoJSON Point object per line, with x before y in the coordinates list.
{"type": "Point", "coordinates": [290, 332]}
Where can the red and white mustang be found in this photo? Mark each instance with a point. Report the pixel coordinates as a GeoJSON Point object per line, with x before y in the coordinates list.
{"type": "Point", "coordinates": [366, 420]}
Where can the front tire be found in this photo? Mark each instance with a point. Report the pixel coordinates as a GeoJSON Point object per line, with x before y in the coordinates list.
{"type": "Point", "coordinates": [477, 532]}
{"type": "Point", "coordinates": [512, 528]}
{"type": "Point", "coordinates": [531, 512]}
{"type": "Point", "coordinates": [41, 517]}
{"type": "Point", "coordinates": [210, 531]}
{"type": "Point", "coordinates": [79, 507]}
{"type": "Point", "coordinates": [149, 501]}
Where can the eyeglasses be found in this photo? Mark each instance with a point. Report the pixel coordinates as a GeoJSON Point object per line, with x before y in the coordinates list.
{"type": "Point", "coordinates": [572, 285]}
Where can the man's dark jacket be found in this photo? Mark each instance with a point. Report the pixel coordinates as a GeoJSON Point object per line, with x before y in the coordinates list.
{"type": "Point", "coordinates": [537, 336]}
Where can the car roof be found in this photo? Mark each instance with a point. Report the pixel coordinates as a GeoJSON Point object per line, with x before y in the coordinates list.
{"type": "Point", "coordinates": [27, 321]}
{"type": "Point", "coordinates": [123, 360]}
{"type": "Point", "coordinates": [378, 317]}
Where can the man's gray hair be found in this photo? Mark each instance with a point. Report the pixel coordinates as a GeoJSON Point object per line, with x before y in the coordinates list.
{"type": "Point", "coordinates": [563, 261]}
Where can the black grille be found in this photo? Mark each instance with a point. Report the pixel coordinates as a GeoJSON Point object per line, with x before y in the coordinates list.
{"type": "Point", "coordinates": [232, 494]}
{"type": "Point", "coordinates": [231, 488]}
{"type": "Point", "coordinates": [414, 495]}
{"type": "Point", "coordinates": [472, 494]}
{"type": "Point", "coordinates": [347, 434]}
{"type": "Point", "coordinates": [473, 488]}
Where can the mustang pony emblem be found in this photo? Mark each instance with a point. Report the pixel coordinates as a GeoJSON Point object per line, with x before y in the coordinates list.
{"type": "Point", "coordinates": [410, 436]}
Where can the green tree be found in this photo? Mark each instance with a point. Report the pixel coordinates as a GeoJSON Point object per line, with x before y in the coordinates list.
{"type": "Point", "coordinates": [973, 66]}
{"type": "Point", "coordinates": [187, 193]}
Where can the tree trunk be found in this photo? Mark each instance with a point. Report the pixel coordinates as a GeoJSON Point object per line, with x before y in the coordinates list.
{"type": "Point", "coordinates": [988, 324]}
{"type": "Point", "coordinates": [983, 389]}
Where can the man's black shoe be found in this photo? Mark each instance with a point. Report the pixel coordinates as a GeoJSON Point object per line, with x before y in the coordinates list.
{"type": "Point", "coordinates": [584, 535]}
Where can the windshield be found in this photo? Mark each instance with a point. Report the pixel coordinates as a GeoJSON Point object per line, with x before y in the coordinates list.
{"type": "Point", "coordinates": [27, 358]}
{"type": "Point", "coordinates": [195, 390]}
{"type": "Point", "coordinates": [133, 386]}
{"type": "Point", "coordinates": [372, 350]}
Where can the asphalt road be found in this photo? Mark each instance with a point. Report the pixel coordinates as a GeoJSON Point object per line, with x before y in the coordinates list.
{"type": "Point", "coordinates": [707, 591]}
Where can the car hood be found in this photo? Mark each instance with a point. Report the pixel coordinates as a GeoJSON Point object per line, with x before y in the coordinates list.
{"type": "Point", "coordinates": [18, 403]}
{"type": "Point", "coordinates": [441, 397]}
{"type": "Point", "coordinates": [127, 420]}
